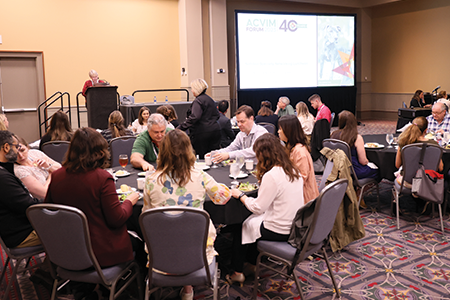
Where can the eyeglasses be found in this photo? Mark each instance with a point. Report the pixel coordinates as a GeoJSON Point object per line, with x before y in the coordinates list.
{"type": "Point", "coordinates": [437, 112]}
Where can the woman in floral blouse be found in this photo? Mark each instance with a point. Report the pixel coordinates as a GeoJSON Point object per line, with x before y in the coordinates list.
{"type": "Point", "coordinates": [177, 183]}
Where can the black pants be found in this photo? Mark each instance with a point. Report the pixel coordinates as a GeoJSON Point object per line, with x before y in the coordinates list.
{"type": "Point", "coordinates": [205, 142]}
{"type": "Point", "coordinates": [248, 252]}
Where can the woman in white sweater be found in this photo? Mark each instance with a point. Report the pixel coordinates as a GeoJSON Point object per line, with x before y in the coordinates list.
{"type": "Point", "coordinates": [280, 196]}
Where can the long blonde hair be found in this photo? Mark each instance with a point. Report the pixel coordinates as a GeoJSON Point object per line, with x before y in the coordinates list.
{"type": "Point", "coordinates": [3, 122]}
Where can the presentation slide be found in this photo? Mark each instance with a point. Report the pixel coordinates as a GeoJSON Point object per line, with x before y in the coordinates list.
{"type": "Point", "coordinates": [294, 50]}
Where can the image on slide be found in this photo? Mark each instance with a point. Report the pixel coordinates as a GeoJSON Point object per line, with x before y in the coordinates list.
{"type": "Point", "coordinates": [335, 51]}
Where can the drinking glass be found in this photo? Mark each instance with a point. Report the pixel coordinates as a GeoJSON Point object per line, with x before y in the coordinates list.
{"type": "Point", "coordinates": [234, 171]}
{"type": "Point", "coordinates": [249, 164]}
{"type": "Point", "coordinates": [240, 160]}
{"type": "Point", "coordinates": [214, 166]}
{"type": "Point", "coordinates": [446, 137]}
{"type": "Point", "coordinates": [123, 160]}
{"type": "Point", "coordinates": [389, 139]}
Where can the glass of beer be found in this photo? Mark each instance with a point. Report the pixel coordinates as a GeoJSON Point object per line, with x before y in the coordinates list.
{"type": "Point", "coordinates": [123, 160]}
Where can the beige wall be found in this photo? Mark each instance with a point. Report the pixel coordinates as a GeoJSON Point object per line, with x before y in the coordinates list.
{"type": "Point", "coordinates": [133, 44]}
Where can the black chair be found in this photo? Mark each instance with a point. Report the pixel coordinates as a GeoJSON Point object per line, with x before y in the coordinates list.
{"type": "Point", "coordinates": [56, 150]}
{"type": "Point", "coordinates": [178, 251]}
{"type": "Point", "coordinates": [17, 254]}
{"type": "Point", "coordinates": [269, 127]}
{"type": "Point", "coordinates": [358, 183]}
{"type": "Point", "coordinates": [120, 145]}
{"type": "Point", "coordinates": [64, 232]}
{"type": "Point", "coordinates": [410, 164]}
{"type": "Point", "coordinates": [325, 211]}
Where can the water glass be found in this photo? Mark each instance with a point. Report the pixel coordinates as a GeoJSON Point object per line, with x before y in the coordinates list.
{"type": "Point", "coordinates": [389, 139]}
{"type": "Point", "coordinates": [234, 171]}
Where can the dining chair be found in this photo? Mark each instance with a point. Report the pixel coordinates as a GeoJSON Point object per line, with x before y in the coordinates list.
{"type": "Point", "coordinates": [316, 238]}
{"type": "Point", "coordinates": [269, 127]}
{"type": "Point", "coordinates": [64, 232]}
{"type": "Point", "coordinates": [358, 183]}
{"type": "Point", "coordinates": [56, 150]}
{"type": "Point", "coordinates": [178, 251]}
{"type": "Point", "coordinates": [120, 145]}
{"type": "Point", "coordinates": [18, 254]}
{"type": "Point", "coordinates": [410, 164]}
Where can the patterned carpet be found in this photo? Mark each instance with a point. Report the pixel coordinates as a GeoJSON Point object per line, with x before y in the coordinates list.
{"type": "Point", "coordinates": [410, 263]}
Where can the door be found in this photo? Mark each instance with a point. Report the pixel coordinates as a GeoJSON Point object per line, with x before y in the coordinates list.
{"type": "Point", "coordinates": [21, 91]}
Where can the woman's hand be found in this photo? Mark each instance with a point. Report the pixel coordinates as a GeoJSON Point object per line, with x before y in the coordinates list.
{"type": "Point", "coordinates": [133, 197]}
{"type": "Point", "coordinates": [43, 164]}
{"type": "Point", "coordinates": [235, 193]}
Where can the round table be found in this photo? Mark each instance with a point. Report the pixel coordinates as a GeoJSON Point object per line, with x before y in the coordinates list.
{"type": "Point", "coordinates": [233, 212]}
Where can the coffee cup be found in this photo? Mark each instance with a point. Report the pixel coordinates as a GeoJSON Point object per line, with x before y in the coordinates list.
{"type": "Point", "coordinates": [208, 159]}
{"type": "Point", "coordinates": [249, 164]}
{"type": "Point", "coordinates": [140, 183]}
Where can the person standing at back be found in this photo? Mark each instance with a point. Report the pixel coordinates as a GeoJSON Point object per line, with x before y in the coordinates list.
{"type": "Point", "coordinates": [204, 130]}
{"type": "Point", "coordinates": [227, 134]}
{"type": "Point", "coordinates": [323, 112]}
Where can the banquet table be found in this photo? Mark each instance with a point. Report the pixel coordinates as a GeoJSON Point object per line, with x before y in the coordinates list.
{"type": "Point", "coordinates": [233, 212]}
{"type": "Point", "coordinates": [384, 158]}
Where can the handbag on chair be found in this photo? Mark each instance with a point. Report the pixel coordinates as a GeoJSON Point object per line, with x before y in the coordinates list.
{"type": "Point", "coordinates": [428, 184]}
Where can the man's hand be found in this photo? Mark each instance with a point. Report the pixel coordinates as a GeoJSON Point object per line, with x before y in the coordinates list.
{"type": "Point", "coordinates": [220, 157]}
{"type": "Point", "coordinates": [147, 167]}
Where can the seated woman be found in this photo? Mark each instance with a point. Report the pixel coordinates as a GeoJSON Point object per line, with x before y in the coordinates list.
{"type": "Point", "coordinates": [34, 169]}
{"type": "Point", "coordinates": [414, 134]}
{"type": "Point", "coordinates": [173, 117]}
{"type": "Point", "coordinates": [59, 129]}
{"type": "Point", "coordinates": [83, 183]}
{"type": "Point", "coordinates": [280, 196]}
{"type": "Point", "coordinates": [418, 100]}
{"type": "Point", "coordinates": [187, 185]}
{"type": "Point", "coordinates": [291, 133]}
{"type": "Point", "coordinates": [306, 119]}
{"type": "Point", "coordinates": [348, 132]}
{"type": "Point", "coordinates": [442, 97]}
{"type": "Point", "coordinates": [265, 114]}
{"type": "Point", "coordinates": [167, 113]}
{"type": "Point", "coordinates": [115, 127]}
{"type": "Point", "coordinates": [140, 124]}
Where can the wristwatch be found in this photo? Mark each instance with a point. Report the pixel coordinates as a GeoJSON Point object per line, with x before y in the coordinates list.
{"type": "Point", "coordinates": [241, 195]}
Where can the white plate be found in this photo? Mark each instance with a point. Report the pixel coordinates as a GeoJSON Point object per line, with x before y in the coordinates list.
{"type": "Point", "coordinates": [122, 175]}
{"type": "Point", "coordinates": [201, 166]}
{"type": "Point", "coordinates": [141, 174]}
{"type": "Point", "coordinates": [240, 176]}
{"type": "Point", "coordinates": [119, 191]}
{"type": "Point", "coordinates": [378, 146]}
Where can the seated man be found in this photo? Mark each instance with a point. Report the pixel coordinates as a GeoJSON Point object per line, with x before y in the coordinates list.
{"type": "Point", "coordinates": [225, 124]}
{"type": "Point", "coordinates": [284, 108]}
{"type": "Point", "coordinates": [15, 229]}
{"type": "Point", "coordinates": [323, 112]}
{"type": "Point", "coordinates": [243, 143]}
{"type": "Point", "coordinates": [439, 120]}
{"type": "Point", "coordinates": [146, 147]}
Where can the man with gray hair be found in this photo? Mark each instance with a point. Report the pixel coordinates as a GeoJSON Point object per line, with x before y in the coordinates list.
{"type": "Point", "coordinates": [284, 108]}
{"type": "Point", "coordinates": [146, 147]}
{"type": "Point", "coordinates": [439, 120]}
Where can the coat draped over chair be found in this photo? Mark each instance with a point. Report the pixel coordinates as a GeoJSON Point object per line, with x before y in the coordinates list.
{"type": "Point", "coordinates": [348, 226]}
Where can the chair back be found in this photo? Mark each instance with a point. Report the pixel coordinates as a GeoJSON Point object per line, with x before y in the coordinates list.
{"type": "Point", "coordinates": [332, 119]}
{"type": "Point", "coordinates": [338, 144]}
{"type": "Point", "coordinates": [64, 232]}
{"type": "Point", "coordinates": [176, 239]}
{"type": "Point", "coordinates": [411, 157]}
{"type": "Point", "coordinates": [56, 150]}
{"type": "Point", "coordinates": [326, 172]}
{"type": "Point", "coordinates": [327, 206]}
{"type": "Point", "coordinates": [269, 127]}
{"type": "Point", "coordinates": [120, 145]}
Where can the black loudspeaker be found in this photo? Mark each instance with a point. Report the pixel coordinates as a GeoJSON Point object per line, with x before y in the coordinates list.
{"type": "Point", "coordinates": [100, 102]}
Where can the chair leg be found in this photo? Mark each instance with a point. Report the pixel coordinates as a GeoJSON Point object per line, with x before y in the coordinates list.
{"type": "Point", "coordinates": [256, 283]}
{"type": "Point", "coordinates": [331, 272]}
{"type": "Point", "coordinates": [5, 266]}
{"type": "Point", "coordinates": [441, 218]}
{"type": "Point", "coordinates": [216, 283]}
{"type": "Point", "coordinates": [378, 197]}
{"type": "Point", "coordinates": [297, 283]}
{"type": "Point", "coordinates": [13, 275]}
{"type": "Point", "coordinates": [55, 286]}
{"type": "Point", "coordinates": [147, 291]}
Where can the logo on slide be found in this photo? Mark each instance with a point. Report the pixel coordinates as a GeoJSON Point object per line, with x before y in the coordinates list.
{"type": "Point", "coordinates": [291, 25]}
